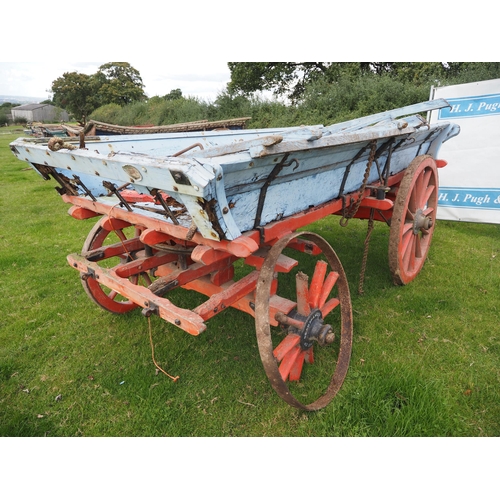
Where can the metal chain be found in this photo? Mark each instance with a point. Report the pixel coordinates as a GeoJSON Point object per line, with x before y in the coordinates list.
{"type": "Point", "coordinates": [352, 212]}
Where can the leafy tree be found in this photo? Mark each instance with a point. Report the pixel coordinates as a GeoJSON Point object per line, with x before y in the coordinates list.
{"type": "Point", "coordinates": [173, 94]}
{"type": "Point", "coordinates": [119, 83]}
{"type": "Point", "coordinates": [81, 94]}
{"type": "Point", "coordinates": [4, 120]}
{"type": "Point", "coordinates": [108, 113]}
{"type": "Point", "coordinates": [283, 78]}
{"type": "Point", "coordinates": [290, 79]}
{"type": "Point", "coordinates": [76, 93]}
{"type": "Point", "coordinates": [230, 105]}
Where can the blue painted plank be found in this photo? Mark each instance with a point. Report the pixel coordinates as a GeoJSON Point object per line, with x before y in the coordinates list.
{"type": "Point", "coordinates": [229, 168]}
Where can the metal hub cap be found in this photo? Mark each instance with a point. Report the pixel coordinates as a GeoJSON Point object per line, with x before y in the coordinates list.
{"type": "Point", "coordinates": [314, 329]}
{"type": "Point", "coordinates": [421, 222]}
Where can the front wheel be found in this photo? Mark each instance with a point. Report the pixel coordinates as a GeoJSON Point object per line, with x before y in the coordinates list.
{"type": "Point", "coordinates": [413, 220]}
{"type": "Point", "coordinates": [315, 326]}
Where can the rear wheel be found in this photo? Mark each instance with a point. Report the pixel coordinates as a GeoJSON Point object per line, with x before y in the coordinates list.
{"type": "Point", "coordinates": [110, 248]}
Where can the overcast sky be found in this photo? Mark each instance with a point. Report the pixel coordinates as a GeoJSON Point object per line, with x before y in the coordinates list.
{"type": "Point", "coordinates": [186, 45]}
{"type": "Point", "coordinates": [34, 79]}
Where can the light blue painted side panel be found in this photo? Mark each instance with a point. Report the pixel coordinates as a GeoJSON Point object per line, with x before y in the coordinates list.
{"type": "Point", "coordinates": [229, 168]}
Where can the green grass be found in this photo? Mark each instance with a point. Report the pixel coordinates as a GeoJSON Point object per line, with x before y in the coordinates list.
{"type": "Point", "coordinates": [425, 358]}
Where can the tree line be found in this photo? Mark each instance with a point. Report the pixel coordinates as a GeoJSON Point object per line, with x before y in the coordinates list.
{"type": "Point", "coordinates": [297, 92]}
{"type": "Point", "coordinates": [291, 79]}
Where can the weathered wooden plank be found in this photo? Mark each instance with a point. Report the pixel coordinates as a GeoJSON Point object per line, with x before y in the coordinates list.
{"type": "Point", "coordinates": [366, 121]}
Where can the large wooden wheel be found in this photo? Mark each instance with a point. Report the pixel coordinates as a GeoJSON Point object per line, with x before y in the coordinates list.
{"type": "Point", "coordinates": [311, 348]}
{"type": "Point", "coordinates": [110, 248]}
{"type": "Point", "coordinates": [413, 219]}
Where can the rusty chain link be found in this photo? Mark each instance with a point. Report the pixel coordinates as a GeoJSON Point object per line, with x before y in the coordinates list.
{"type": "Point", "coordinates": [353, 210]}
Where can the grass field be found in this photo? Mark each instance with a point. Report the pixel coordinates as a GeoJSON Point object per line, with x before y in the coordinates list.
{"type": "Point", "coordinates": [425, 362]}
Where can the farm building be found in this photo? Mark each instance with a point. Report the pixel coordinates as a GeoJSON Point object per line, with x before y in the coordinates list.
{"type": "Point", "coordinates": [45, 113]}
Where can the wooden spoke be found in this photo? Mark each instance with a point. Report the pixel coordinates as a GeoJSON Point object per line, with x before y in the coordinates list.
{"type": "Point", "coordinates": [317, 283]}
{"type": "Point", "coordinates": [285, 346]}
{"type": "Point", "coordinates": [327, 288]}
{"type": "Point", "coordinates": [302, 284]}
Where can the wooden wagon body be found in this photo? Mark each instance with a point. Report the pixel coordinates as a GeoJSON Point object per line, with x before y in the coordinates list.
{"type": "Point", "coordinates": [200, 201]}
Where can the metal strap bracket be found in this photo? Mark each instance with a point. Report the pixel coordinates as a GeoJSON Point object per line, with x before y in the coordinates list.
{"type": "Point", "coordinates": [274, 173]}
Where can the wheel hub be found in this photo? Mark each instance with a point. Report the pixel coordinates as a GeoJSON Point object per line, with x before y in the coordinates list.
{"type": "Point", "coordinates": [421, 221]}
{"type": "Point", "coordinates": [313, 329]}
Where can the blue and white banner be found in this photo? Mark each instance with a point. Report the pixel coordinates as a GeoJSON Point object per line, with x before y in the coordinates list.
{"type": "Point", "coordinates": [469, 186]}
{"type": "Point", "coordinates": [468, 107]}
{"type": "Point", "coordinates": [486, 199]}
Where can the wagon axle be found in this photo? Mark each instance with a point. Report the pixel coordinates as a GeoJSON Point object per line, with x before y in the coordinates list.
{"type": "Point", "coordinates": [310, 329]}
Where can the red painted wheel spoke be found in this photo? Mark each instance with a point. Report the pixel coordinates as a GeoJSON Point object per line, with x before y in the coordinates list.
{"type": "Point", "coordinates": [327, 288]}
{"type": "Point", "coordinates": [428, 211]}
{"type": "Point", "coordinates": [413, 202]}
{"type": "Point", "coordinates": [329, 306]}
{"type": "Point", "coordinates": [288, 343]}
{"type": "Point", "coordinates": [408, 227]}
{"type": "Point", "coordinates": [423, 186]}
{"type": "Point", "coordinates": [409, 217]}
{"type": "Point", "coordinates": [418, 247]}
{"type": "Point", "coordinates": [309, 356]}
{"type": "Point", "coordinates": [426, 196]}
{"type": "Point", "coordinates": [417, 190]}
{"type": "Point", "coordinates": [409, 253]}
{"type": "Point", "coordinates": [407, 237]}
{"type": "Point", "coordinates": [288, 362]}
{"type": "Point", "coordinates": [301, 283]}
{"type": "Point", "coordinates": [120, 234]}
{"type": "Point", "coordinates": [147, 279]}
{"type": "Point", "coordinates": [296, 368]}
{"type": "Point", "coordinates": [317, 283]}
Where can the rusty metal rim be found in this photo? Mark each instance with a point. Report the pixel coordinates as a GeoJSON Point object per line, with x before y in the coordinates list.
{"type": "Point", "coordinates": [263, 330]}
{"type": "Point", "coordinates": [408, 185]}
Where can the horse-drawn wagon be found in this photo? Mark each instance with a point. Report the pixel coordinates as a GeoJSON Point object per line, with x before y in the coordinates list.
{"type": "Point", "coordinates": [180, 210]}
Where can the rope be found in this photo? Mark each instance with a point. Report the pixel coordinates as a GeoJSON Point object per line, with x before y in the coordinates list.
{"type": "Point", "coordinates": [57, 143]}
{"type": "Point", "coordinates": [175, 379]}
{"type": "Point", "coordinates": [365, 253]}
{"type": "Point", "coordinates": [149, 319]}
